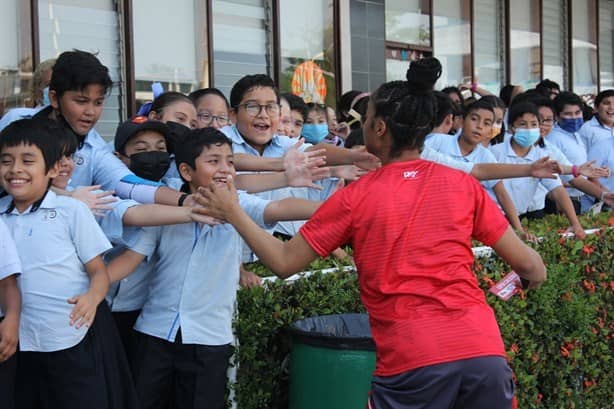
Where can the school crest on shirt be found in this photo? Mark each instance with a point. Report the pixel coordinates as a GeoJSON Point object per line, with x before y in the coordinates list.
{"type": "Point", "coordinates": [50, 215]}
{"type": "Point", "coordinates": [79, 160]}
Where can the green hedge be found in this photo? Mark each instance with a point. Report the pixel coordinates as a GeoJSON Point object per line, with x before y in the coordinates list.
{"type": "Point", "coordinates": [559, 339]}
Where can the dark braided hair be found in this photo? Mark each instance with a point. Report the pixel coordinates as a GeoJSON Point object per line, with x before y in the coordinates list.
{"type": "Point", "coordinates": [409, 108]}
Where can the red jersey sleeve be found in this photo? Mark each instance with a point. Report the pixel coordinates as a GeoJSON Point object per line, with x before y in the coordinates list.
{"type": "Point", "coordinates": [331, 225]}
{"type": "Point", "coordinates": [489, 223]}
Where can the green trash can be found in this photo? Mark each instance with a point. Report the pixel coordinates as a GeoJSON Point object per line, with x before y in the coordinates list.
{"type": "Point", "coordinates": [332, 360]}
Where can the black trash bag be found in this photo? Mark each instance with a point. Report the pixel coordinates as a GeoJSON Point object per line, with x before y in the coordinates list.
{"type": "Point", "coordinates": [338, 331]}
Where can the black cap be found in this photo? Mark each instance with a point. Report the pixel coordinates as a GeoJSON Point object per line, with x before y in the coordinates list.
{"type": "Point", "coordinates": [128, 129]}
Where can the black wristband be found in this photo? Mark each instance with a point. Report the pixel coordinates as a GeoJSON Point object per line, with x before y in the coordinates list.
{"type": "Point", "coordinates": [182, 199]}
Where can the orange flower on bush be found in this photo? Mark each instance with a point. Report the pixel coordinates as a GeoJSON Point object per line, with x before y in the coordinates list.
{"type": "Point", "coordinates": [589, 285]}
{"type": "Point", "coordinates": [564, 351]}
{"type": "Point", "coordinates": [515, 348]}
{"type": "Point", "coordinates": [587, 249]}
{"type": "Point", "coordinates": [611, 222]}
{"type": "Point", "coordinates": [488, 281]}
{"type": "Point", "coordinates": [589, 383]}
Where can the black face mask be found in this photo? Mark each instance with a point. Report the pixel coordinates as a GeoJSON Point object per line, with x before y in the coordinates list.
{"type": "Point", "coordinates": [150, 165]}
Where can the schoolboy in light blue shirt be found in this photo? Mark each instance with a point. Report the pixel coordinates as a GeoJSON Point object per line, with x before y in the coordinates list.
{"type": "Point", "coordinates": [600, 126]}
{"type": "Point", "coordinates": [189, 308]}
{"type": "Point", "coordinates": [63, 281]}
{"type": "Point", "coordinates": [602, 153]}
{"type": "Point", "coordinates": [565, 136]}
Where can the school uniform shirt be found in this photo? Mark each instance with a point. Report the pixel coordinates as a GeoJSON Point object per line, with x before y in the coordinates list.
{"type": "Point", "coordinates": [425, 306]}
{"type": "Point", "coordinates": [573, 147]}
{"type": "Point", "coordinates": [277, 148]}
{"type": "Point", "coordinates": [523, 190]}
{"type": "Point", "coordinates": [55, 239]}
{"type": "Point", "coordinates": [448, 145]}
{"type": "Point", "coordinates": [434, 156]}
{"type": "Point", "coordinates": [194, 283]}
{"type": "Point", "coordinates": [602, 153]}
{"type": "Point", "coordinates": [130, 293]}
{"type": "Point", "coordinates": [594, 131]}
{"type": "Point", "coordinates": [9, 259]}
{"type": "Point", "coordinates": [540, 195]}
{"type": "Point", "coordinates": [16, 114]}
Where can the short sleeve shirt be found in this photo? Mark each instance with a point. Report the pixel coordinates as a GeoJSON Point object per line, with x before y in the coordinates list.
{"type": "Point", "coordinates": [411, 225]}
{"type": "Point", "coordinates": [54, 243]}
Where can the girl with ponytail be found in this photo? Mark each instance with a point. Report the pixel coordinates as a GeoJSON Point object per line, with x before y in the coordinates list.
{"type": "Point", "coordinates": [410, 223]}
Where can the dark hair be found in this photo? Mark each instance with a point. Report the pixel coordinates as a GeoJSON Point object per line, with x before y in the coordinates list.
{"type": "Point", "coordinates": [344, 104]}
{"type": "Point", "coordinates": [566, 98]}
{"type": "Point", "coordinates": [312, 106]}
{"type": "Point", "coordinates": [546, 86]}
{"type": "Point", "coordinates": [480, 104]}
{"type": "Point", "coordinates": [606, 93]}
{"type": "Point", "coordinates": [445, 107]}
{"type": "Point", "coordinates": [44, 134]}
{"type": "Point", "coordinates": [355, 138]}
{"type": "Point", "coordinates": [195, 96]}
{"type": "Point", "coordinates": [506, 94]}
{"type": "Point", "coordinates": [247, 83]}
{"type": "Point", "coordinates": [67, 142]}
{"type": "Point", "coordinates": [518, 110]}
{"type": "Point", "coordinates": [296, 104]}
{"type": "Point", "coordinates": [75, 70]}
{"type": "Point", "coordinates": [168, 98]}
{"type": "Point", "coordinates": [454, 90]}
{"type": "Point", "coordinates": [192, 143]}
{"type": "Point", "coordinates": [494, 101]}
{"type": "Point", "coordinates": [409, 107]}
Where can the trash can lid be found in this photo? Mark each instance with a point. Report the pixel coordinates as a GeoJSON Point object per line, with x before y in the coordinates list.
{"type": "Point", "coordinates": [337, 331]}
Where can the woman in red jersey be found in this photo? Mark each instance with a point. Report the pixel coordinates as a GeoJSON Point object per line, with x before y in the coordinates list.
{"type": "Point", "coordinates": [410, 223]}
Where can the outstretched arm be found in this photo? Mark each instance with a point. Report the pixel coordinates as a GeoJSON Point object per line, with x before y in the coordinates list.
{"type": "Point", "coordinates": [283, 258]}
{"type": "Point", "coordinates": [543, 168]}
{"type": "Point", "coordinates": [562, 199]}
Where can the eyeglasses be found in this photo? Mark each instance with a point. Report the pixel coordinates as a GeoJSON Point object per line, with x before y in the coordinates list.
{"type": "Point", "coordinates": [254, 109]}
{"type": "Point", "coordinates": [208, 119]}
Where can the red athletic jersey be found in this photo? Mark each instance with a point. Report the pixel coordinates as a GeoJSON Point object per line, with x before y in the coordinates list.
{"type": "Point", "coordinates": [411, 225]}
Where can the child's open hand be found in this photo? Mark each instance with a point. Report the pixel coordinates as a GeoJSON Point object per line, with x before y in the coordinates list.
{"type": "Point", "coordinates": [9, 336]}
{"type": "Point", "coordinates": [545, 168]}
{"type": "Point", "coordinates": [98, 202]}
{"type": "Point", "coordinates": [84, 311]}
{"type": "Point", "coordinates": [589, 170]}
{"type": "Point", "coordinates": [217, 201]}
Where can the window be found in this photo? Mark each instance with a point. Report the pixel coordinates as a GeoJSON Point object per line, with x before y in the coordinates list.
{"type": "Point", "coordinates": [307, 45]}
{"type": "Point", "coordinates": [525, 43]}
{"type": "Point", "coordinates": [584, 46]}
{"type": "Point", "coordinates": [15, 56]}
{"type": "Point", "coordinates": [241, 41]}
{"type": "Point", "coordinates": [65, 25]}
{"type": "Point", "coordinates": [170, 46]}
{"type": "Point", "coordinates": [488, 38]}
{"type": "Point", "coordinates": [408, 35]}
{"type": "Point", "coordinates": [452, 40]}
{"type": "Point", "coordinates": [606, 44]}
{"type": "Point", "coordinates": [368, 38]}
{"type": "Point", "coordinates": [554, 37]}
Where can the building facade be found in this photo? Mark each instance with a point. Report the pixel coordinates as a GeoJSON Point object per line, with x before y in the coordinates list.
{"type": "Point", "coordinates": [317, 48]}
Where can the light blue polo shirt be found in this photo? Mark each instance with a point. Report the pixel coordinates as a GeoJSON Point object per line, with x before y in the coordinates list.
{"type": "Point", "coordinates": [434, 156]}
{"type": "Point", "coordinates": [602, 152]}
{"type": "Point", "coordinates": [594, 131]}
{"type": "Point", "coordinates": [448, 145]}
{"type": "Point", "coordinates": [54, 242]}
{"type": "Point", "coordinates": [572, 146]}
{"type": "Point", "coordinates": [9, 259]}
{"type": "Point", "coordinates": [194, 283]}
{"type": "Point", "coordinates": [16, 114]}
{"type": "Point", "coordinates": [540, 195]}
{"type": "Point", "coordinates": [523, 190]}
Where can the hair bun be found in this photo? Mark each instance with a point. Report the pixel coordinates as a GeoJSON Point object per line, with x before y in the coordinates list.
{"type": "Point", "coordinates": [423, 74]}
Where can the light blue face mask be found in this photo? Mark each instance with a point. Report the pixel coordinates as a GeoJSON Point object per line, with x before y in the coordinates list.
{"type": "Point", "coordinates": [314, 133]}
{"type": "Point", "coordinates": [46, 100]}
{"type": "Point", "coordinates": [526, 137]}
